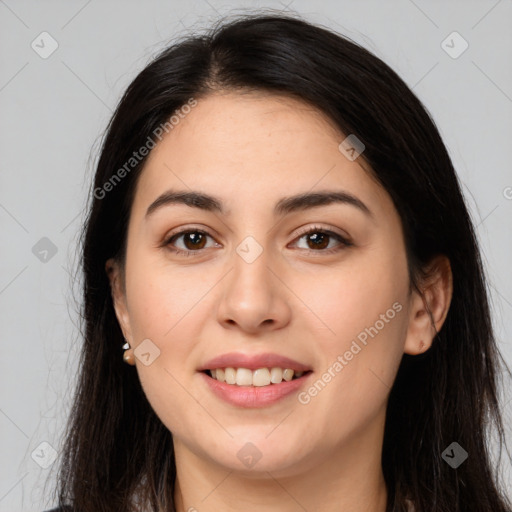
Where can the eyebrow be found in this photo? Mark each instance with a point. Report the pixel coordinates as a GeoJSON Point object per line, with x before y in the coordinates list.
{"type": "Point", "coordinates": [285, 205]}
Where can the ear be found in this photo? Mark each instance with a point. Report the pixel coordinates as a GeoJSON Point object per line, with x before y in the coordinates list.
{"type": "Point", "coordinates": [428, 311]}
{"type": "Point", "coordinates": [114, 273]}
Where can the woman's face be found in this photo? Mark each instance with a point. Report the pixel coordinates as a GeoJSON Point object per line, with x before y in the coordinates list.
{"type": "Point", "coordinates": [256, 285]}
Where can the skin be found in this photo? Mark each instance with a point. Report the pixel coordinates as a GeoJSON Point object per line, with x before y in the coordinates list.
{"type": "Point", "coordinates": [250, 150]}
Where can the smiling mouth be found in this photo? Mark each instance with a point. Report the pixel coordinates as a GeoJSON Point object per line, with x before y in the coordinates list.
{"type": "Point", "coordinates": [260, 377]}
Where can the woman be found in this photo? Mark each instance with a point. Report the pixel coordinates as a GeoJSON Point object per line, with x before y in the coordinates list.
{"type": "Point", "coordinates": [278, 240]}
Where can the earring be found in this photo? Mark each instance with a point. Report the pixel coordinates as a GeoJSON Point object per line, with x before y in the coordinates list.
{"type": "Point", "coordinates": [128, 356]}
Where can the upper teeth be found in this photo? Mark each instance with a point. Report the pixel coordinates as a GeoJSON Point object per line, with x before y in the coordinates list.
{"type": "Point", "coordinates": [259, 377]}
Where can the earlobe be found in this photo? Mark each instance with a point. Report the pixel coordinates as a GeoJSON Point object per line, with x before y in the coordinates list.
{"type": "Point", "coordinates": [117, 291]}
{"type": "Point", "coordinates": [429, 310]}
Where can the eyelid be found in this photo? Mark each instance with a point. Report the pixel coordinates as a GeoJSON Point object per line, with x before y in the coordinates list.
{"type": "Point", "coordinates": [325, 229]}
{"type": "Point", "coordinates": [189, 228]}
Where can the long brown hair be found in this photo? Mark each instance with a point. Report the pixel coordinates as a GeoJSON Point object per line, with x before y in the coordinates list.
{"type": "Point", "coordinates": [116, 448]}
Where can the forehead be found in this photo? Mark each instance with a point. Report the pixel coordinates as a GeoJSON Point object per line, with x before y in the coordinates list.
{"type": "Point", "coordinates": [250, 148]}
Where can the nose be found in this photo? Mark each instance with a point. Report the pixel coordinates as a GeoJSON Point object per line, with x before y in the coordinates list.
{"type": "Point", "coordinates": [254, 299]}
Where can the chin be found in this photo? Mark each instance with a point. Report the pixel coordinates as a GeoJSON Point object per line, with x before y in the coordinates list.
{"type": "Point", "coordinates": [257, 458]}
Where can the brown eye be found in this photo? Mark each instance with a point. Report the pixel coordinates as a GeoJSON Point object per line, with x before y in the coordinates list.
{"type": "Point", "coordinates": [193, 240]}
{"type": "Point", "coordinates": [318, 240]}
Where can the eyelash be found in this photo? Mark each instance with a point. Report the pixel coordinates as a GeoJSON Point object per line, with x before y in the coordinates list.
{"type": "Point", "coordinates": [315, 229]}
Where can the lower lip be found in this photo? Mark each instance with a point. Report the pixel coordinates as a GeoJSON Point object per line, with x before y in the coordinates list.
{"type": "Point", "coordinates": [254, 396]}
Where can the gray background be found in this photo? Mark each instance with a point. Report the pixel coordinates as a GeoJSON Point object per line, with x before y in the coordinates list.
{"type": "Point", "coordinates": [54, 110]}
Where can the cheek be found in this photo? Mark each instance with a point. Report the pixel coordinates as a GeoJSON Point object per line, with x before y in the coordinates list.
{"type": "Point", "coordinates": [162, 308]}
{"type": "Point", "coordinates": [160, 297]}
{"type": "Point", "coordinates": [363, 310]}
{"type": "Point", "coordinates": [356, 295]}
{"type": "Point", "coordinates": [169, 306]}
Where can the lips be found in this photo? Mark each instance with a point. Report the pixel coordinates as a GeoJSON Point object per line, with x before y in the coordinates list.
{"type": "Point", "coordinates": [253, 362]}
{"type": "Point", "coordinates": [254, 397]}
{"type": "Point", "coordinates": [259, 392]}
